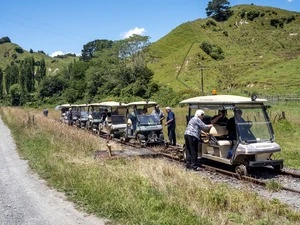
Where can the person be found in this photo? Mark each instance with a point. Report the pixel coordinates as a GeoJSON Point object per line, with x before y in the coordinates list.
{"type": "Point", "coordinates": [104, 115]}
{"type": "Point", "coordinates": [192, 138]}
{"type": "Point", "coordinates": [231, 124]}
{"type": "Point", "coordinates": [220, 119]}
{"type": "Point", "coordinates": [171, 124]}
{"type": "Point", "coordinates": [133, 118]}
{"type": "Point", "coordinates": [70, 116]}
{"type": "Point", "coordinates": [158, 113]}
{"type": "Point", "coordinates": [45, 112]}
{"type": "Point", "coordinates": [231, 127]}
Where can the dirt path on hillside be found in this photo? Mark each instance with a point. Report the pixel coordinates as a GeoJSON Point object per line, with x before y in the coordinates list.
{"type": "Point", "coordinates": [25, 199]}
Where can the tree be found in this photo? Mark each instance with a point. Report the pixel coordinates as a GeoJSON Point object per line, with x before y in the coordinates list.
{"type": "Point", "coordinates": [87, 53]}
{"type": "Point", "coordinates": [74, 77]}
{"type": "Point", "coordinates": [11, 76]}
{"type": "Point", "coordinates": [15, 94]}
{"type": "Point", "coordinates": [133, 50]}
{"type": "Point", "coordinates": [219, 9]}
{"type": "Point", "coordinates": [41, 71]}
{"type": "Point", "coordinates": [4, 40]}
{"type": "Point", "coordinates": [51, 86]}
{"type": "Point", "coordinates": [27, 75]}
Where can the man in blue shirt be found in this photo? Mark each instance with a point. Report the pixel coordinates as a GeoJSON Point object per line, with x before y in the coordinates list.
{"type": "Point", "coordinates": [171, 124]}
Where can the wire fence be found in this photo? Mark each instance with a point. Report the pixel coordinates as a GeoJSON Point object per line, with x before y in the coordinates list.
{"type": "Point", "coordinates": [282, 99]}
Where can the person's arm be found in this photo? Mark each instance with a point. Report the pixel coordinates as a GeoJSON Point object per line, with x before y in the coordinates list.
{"type": "Point", "coordinates": [171, 118]}
{"type": "Point", "coordinates": [216, 118]}
{"type": "Point", "coordinates": [162, 116]}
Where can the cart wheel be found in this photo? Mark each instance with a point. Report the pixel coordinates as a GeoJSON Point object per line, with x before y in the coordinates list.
{"type": "Point", "coordinates": [241, 170]}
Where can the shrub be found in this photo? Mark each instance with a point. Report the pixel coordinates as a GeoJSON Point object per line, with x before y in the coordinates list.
{"type": "Point", "coordinates": [276, 23]}
{"type": "Point", "coordinates": [251, 15]}
{"type": "Point", "coordinates": [211, 23]}
{"type": "Point", "coordinates": [213, 51]}
{"type": "Point", "coordinates": [14, 56]}
{"type": "Point", "coordinates": [19, 50]}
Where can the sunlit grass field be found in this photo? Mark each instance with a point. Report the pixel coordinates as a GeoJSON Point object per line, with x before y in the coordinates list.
{"type": "Point", "coordinates": [136, 190]}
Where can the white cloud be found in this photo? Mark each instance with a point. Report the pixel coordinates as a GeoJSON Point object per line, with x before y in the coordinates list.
{"type": "Point", "coordinates": [290, 0]}
{"type": "Point", "coordinates": [136, 30]}
{"type": "Point", "coordinates": [56, 53]}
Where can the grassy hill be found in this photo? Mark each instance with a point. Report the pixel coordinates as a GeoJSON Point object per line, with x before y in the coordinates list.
{"type": "Point", "coordinates": [9, 54]}
{"type": "Point", "coordinates": [261, 49]}
{"type": "Point", "coordinates": [258, 57]}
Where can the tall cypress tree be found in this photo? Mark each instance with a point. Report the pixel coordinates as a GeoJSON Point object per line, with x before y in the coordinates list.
{"type": "Point", "coordinates": [41, 71]}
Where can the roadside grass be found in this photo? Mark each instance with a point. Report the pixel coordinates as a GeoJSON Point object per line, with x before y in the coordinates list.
{"type": "Point", "coordinates": [132, 190]}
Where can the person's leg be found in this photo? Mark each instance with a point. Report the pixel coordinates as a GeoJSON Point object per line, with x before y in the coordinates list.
{"type": "Point", "coordinates": [173, 137]}
{"type": "Point", "coordinates": [194, 153]}
{"type": "Point", "coordinates": [188, 150]}
{"type": "Point", "coordinates": [170, 135]}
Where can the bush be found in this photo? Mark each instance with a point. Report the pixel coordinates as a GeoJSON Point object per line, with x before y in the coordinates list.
{"type": "Point", "coordinates": [213, 51]}
{"type": "Point", "coordinates": [14, 56]}
{"type": "Point", "coordinates": [211, 23]}
{"type": "Point", "coordinates": [19, 50]}
{"type": "Point", "coordinates": [276, 23]}
{"type": "Point", "coordinates": [252, 15]}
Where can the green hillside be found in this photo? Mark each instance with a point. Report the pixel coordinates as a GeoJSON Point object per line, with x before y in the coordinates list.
{"type": "Point", "coordinates": [9, 54]}
{"type": "Point", "coordinates": [258, 56]}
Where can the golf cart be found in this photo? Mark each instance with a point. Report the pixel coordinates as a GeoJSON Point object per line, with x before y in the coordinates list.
{"type": "Point", "coordinates": [141, 125]}
{"type": "Point", "coordinates": [254, 143]}
{"type": "Point", "coordinates": [82, 115]}
{"type": "Point", "coordinates": [94, 117]}
{"type": "Point", "coordinates": [113, 118]}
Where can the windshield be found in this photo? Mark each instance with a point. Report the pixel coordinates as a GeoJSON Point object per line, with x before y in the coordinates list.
{"type": "Point", "coordinates": [253, 126]}
{"type": "Point", "coordinates": [148, 120]}
{"type": "Point", "coordinates": [84, 114]}
{"type": "Point", "coordinates": [96, 115]}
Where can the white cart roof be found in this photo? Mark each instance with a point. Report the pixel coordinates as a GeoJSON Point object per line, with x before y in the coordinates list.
{"type": "Point", "coordinates": [222, 99]}
{"type": "Point", "coordinates": [143, 103]}
{"type": "Point", "coordinates": [112, 104]}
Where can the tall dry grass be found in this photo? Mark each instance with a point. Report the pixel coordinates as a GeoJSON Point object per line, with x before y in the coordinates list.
{"type": "Point", "coordinates": [132, 190]}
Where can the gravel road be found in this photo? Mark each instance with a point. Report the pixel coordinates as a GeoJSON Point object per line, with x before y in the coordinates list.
{"type": "Point", "coordinates": [25, 199]}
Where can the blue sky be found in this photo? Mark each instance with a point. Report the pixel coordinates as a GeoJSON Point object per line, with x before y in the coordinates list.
{"type": "Point", "coordinates": [66, 25]}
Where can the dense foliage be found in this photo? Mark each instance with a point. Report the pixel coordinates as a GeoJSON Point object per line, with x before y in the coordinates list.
{"type": "Point", "coordinates": [107, 69]}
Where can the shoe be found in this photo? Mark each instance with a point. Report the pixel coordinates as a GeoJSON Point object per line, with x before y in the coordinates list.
{"type": "Point", "coordinates": [197, 168]}
{"type": "Point", "coordinates": [188, 166]}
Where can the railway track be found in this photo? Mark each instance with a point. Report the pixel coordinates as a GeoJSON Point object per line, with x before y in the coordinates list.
{"type": "Point", "coordinates": [175, 153]}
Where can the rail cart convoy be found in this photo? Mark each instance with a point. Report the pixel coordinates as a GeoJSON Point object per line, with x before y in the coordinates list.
{"type": "Point", "coordinates": [113, 118]}
{"type": "Point", "coordinates": [142, 126]}
{"type": "Point", "coordinates": [246, 140]}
